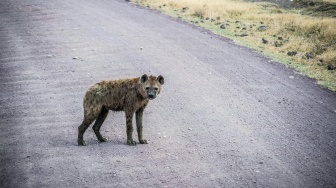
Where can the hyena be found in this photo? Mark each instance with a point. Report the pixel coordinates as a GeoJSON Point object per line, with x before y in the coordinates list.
{"type": "Point", "coordinates": [129, 95]}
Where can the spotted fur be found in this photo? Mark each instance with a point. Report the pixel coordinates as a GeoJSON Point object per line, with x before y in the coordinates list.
{"type": "Point", "coordinates": [130, 95]}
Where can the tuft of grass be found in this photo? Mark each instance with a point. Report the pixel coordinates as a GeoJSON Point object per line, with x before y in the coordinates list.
{"type": "Point", "coordinates": [199, 12]}
{"type": "Point", "coordinates": [310, 35]}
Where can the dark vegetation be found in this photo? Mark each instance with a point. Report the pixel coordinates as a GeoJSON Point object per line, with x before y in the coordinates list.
{"type": "Point", "coordinates": [309, 7]}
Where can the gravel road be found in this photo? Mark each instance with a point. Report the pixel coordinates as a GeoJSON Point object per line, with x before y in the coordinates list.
{"type": "Point", "coordinates": [226, 117]}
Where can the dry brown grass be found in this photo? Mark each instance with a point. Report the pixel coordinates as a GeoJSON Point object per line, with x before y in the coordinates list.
{"type": "Point", "coordinates": [314, 38]}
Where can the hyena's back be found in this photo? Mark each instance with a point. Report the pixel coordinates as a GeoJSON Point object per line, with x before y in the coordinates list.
{"type": "Point", "coordinates": [116, 95]}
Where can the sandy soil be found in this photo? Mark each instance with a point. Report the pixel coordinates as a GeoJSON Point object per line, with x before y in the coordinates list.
{"type": "Point", "coordinates": [227, 117]}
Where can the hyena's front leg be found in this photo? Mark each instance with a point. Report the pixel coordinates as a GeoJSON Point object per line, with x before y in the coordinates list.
{"type": "Point", "coordinates": [138, 118]}
{"type": "Point", "coordinates": [129, 128]}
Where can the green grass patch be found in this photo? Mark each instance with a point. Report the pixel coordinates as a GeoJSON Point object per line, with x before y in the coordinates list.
{"type": "Point", "coordinates": [267, 28]}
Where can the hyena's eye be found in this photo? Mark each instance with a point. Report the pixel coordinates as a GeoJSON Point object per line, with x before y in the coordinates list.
{"type": "Point", "coordinates": [156, 88]}
{"type": "Point", "coordinates": [147, 88]}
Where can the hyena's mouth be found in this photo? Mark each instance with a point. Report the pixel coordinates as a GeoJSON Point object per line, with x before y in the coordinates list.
{"type": "Point", "coordinates": [151, 97]}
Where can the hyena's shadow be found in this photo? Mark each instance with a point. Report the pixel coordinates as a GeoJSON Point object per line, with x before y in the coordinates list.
{"type": "Point", "coordinates": [92, 141]}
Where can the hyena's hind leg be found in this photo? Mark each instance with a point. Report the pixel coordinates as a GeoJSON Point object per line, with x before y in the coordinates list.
{"type": "Point", "coordinates": [100, 120]}
{"type": "Point", "coordinates": [88, 119]}
{"type": "Point", "coordinates": [82, 128]}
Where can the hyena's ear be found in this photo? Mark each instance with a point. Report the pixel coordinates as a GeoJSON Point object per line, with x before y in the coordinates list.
{"type": "Point", "coordinates": [144, 78]}
{"type": "Point", "coordinates": [160, 79]}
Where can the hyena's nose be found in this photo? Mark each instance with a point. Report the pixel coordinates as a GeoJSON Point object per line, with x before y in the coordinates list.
{"type": "Point", "coordinates": [151, 96]}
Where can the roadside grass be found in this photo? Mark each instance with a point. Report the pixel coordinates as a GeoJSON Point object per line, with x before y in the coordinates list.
{"type": "Point", "coordinates": [297, 37]}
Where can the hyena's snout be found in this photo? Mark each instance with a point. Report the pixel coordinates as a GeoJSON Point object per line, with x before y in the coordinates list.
{"type": "Point", "coordinates": [151, 92]}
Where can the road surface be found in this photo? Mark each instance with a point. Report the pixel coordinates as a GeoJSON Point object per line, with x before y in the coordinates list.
{"type": "Point", "coordinates": [226, 117]}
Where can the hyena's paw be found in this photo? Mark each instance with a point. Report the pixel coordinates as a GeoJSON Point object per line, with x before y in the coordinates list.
{"type": "Point", "coordinates": [81, 143]}
{"type": "Point", "coordinates": [103, 139]}
{"type": "Point", "coordinates": [143, 141]}
{"type": "Point", "coordinates": [131, 142]}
